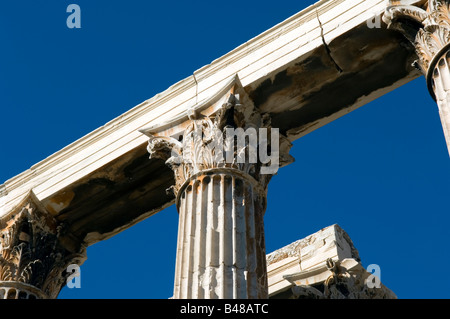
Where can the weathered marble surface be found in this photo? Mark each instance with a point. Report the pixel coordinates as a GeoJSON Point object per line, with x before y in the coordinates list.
{"type": "Point", "coordinates": [290, 72]}
{"type": "Point", "coordinates": [323, 265]}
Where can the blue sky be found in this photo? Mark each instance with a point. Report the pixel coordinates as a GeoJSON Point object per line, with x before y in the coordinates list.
{"type": "Point", "coordinates": [380, 172]}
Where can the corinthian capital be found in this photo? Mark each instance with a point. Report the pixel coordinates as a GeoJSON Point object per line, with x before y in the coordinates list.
{"type": "Point", "coordinates": [224, 132]}
{"type": "Point", "coordinates": [32, 262]}
{"type": "Point", "coordinates": [426, 24]}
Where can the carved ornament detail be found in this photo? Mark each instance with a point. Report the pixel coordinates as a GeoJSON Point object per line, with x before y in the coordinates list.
{"type": "Point", "coordinates": [343, 284]}
{"type": "Point", "coordinates": [426, 24]}
{"type": "Point", "coordinates": [29, 249]}
{"type": "Point", "coordinates": [233, 136]}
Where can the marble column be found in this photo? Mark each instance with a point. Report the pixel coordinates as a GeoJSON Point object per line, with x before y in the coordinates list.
{"type": "Point", "coordinates": [33, 264]}
{"type": "Point", "coordinates": [426, 24]}
{"type": "Point", "coordinates": [221, 248]}
{"type": "Point", "coordinates": [220, 196]}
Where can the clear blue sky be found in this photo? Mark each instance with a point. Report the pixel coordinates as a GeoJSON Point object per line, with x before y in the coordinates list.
{"type": "Point", "coordinates": [383, 179]}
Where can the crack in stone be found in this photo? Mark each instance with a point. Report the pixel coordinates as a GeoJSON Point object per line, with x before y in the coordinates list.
{"type": "Point", "coordinates": [196, 88]}
{"type": "Point", "coordinates": [327, 49]}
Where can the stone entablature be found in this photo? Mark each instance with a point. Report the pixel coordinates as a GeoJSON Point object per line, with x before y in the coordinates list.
{"type": "Point", "coordinates": [286, 73]}
{"type": "Point", "coordinates": [324, 265]}
{"type": "Point", "coordinates": [286, 70]}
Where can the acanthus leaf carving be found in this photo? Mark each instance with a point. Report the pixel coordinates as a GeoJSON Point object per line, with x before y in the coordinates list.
{"type": "Point", "coordinates": [29, 249]}
{"type": "Point", "coordinates": [214, 140]}
{"type": "Point", "coordinates": [426, 24]}
{"type": "Point", "coordinates": [343, 283]}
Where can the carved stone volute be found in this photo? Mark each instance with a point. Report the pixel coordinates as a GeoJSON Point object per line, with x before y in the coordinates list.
{"type": "Point", "coordinates": [219, 153]}
{"type": "Point", "coordinates": [426, 24]}
{"type": "Point", "coordinates": [32, 262]}
{"type": "Point", "coordinates": [205, 142]}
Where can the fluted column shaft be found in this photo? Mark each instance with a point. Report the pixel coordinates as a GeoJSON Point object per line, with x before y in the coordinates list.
{"type": "Point", "coordinates": [221, 247]}
{"type": "Point", "coordinates": [219, 153]}
{"type": "Point", "coordinates": [440, 83]}
{"type": "Point", "coordinates": [19, 290]}
{"type": "Point", "coordinates": [426, 24]}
